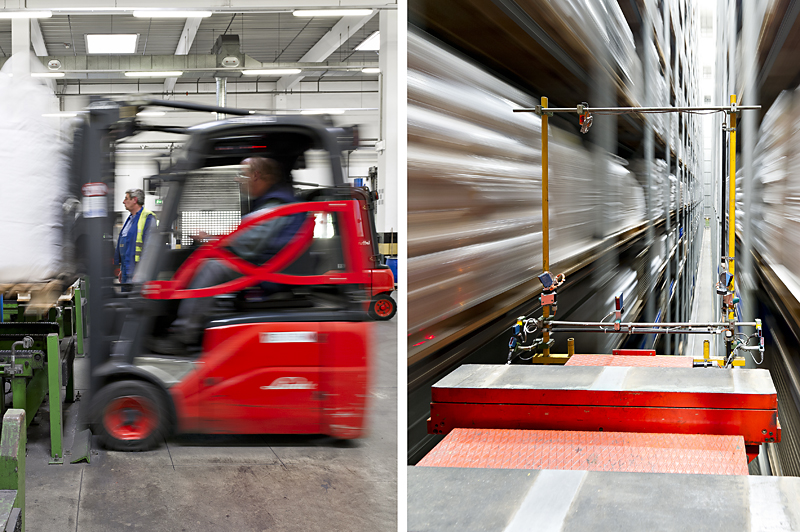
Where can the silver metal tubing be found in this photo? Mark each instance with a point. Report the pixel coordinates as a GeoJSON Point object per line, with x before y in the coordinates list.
{"type": "Point", "coordinates": [637, 330]}
{"type": "Point", "coordinates": [718, 108]}
{"type": "Point", "coordinates": [651, 325]}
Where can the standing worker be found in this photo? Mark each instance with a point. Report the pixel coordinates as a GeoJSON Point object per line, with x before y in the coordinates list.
{"type": "Point", "coordinates": [131, 238]}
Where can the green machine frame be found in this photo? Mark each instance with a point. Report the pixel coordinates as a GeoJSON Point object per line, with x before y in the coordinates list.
{"type": "Point", "coordinates": [36, 356]}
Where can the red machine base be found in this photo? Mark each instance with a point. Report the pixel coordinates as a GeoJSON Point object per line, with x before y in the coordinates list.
{"type": "Point", "coordinates": [615, 399]}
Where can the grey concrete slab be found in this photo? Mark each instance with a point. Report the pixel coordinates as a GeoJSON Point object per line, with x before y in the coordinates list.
{"type": "Point", "coordinates": [229, 498]}
{"type": "Point", "coordinates": [196, 450]}
{"type": "Point", "coordinates": [519, 379]}
{"type": "Point", "coordinates": [51, 497]}
{"type": "Point", "coordinates": [516, 499]}
{"type": "Point", "coordinates": [158, 458]}
{"type": "Point", "coordinates": [358, 456]}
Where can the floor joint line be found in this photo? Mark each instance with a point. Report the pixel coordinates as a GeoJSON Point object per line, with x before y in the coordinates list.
{"type": "Point", "coordinates": [169, 453]}
{"type": "Point", "coordinates": [278, 457]}
{"type": "Point", "coordinates": [78, 510]}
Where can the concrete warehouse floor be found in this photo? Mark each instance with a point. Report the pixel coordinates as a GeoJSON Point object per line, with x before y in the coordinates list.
{"type": "Point", "coordinates": [242, 483]}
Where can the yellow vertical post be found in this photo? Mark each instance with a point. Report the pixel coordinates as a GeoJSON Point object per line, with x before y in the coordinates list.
{"type": "Point", "coordinates": [545, 209]}
{"type": "Point", "coordinates": [545, 176]}
{"type": "Point", "coordinates": [705, 349]}
{"type": "Point", "coordinates": [570, 346]}
{"type": "Point", "coordinates": [732, 203]}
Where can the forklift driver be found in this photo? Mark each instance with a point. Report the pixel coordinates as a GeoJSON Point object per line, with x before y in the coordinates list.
{"type": "Point", "coordinates": [265, 181]}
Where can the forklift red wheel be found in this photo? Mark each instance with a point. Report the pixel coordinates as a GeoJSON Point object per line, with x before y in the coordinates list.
{"type": "Point", "coordinates": [130, 416]}
{"type": "Point", "coordinates": [383, 307]}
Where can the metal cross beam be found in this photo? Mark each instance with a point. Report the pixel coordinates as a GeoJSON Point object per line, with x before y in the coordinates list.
{"type": "Point", "coordinates": [184, 45]}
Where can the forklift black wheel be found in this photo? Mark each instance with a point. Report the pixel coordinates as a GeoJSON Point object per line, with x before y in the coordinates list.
{"type": "Point", "coordinates": [130, 416]}
{"type": "Point", "coordinates": [383, 307]}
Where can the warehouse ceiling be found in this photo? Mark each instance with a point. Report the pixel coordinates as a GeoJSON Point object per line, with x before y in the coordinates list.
{"type": "Point", "coordinates": [272, 37]}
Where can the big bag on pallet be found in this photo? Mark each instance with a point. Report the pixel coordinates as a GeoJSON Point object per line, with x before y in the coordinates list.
{"type": "Point", "coordinates": [33, 173]}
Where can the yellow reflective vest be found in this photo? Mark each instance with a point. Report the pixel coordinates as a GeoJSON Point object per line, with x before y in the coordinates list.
{"type": "Point", "coordinates": [140, 232]}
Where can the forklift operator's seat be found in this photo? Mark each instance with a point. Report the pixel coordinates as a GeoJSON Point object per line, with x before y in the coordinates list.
{"type": "Point", "coordinates": [323, 255]}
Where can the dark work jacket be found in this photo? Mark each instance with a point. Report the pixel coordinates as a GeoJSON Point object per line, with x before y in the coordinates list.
{"type": "Point", "coordinates": [261, 242]}
{"type": "Point", "coordinates": [125, 254]}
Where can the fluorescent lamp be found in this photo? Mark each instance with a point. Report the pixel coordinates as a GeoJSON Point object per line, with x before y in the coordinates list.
{"type": "Point", "coordinates": [371, 70]}
{"type": "Point", "coordinates": [151, 113]}
{"type": "Point", "coordinates": [273, 72]}
{"type": "Point", "coordinates": [66, 114]}
{"type": "Point", "coordinates": [26, 14]}
{"type": "Point", "coordinates": [48, 74]}
{"type": "Point", "coordinates": [117, 43]}
{"type": "Point", "coordinates": [171, 14]}
{"type": "Point", "coordinates": [332, 13]}
{"type": "Point", "coordinates": [174, 74]}
{"type": "Point", "coordinates": [322, 112]}
{"type": "Point", "coordinates": [371, 43]}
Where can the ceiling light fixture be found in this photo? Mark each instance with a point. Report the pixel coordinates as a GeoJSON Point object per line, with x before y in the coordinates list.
{"type": "Point", "coordinates": [174, 74]}
{"type": "Point", "coordinates": [371, 43]}
{"type": "Point", "coordinates": [151, 113]}
{"type": "Point", "coordinates": [371, 70]}
{"type": "Point", "coordinates": [117, 43]}
{"type": "Point", "coordinates": [272, 72]}
{"type": "Point", "coordinates": [26, 14]}
{"type": "Point", "coordinates": [332, 13]}
{"type": "Point", "coordinates": [171, 14]}
{"type": "Point", "coordinates": [48, 74]}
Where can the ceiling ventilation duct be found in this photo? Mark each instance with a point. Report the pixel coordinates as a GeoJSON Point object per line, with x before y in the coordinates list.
{"type": "Point", "coordinates": [229, 56]}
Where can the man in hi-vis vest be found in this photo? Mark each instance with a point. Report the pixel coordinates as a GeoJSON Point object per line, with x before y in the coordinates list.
{"type": "Point", "coordinates": [131, 238]}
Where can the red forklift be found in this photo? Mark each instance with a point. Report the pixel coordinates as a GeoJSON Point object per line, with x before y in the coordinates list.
{"type": "Point", "coordinates": [295, 361]}
{"type": "Point", "coordinates": [381, 304]}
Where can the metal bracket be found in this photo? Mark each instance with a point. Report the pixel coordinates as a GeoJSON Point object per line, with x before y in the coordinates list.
{"type": "Point", "coordinates": [542, 345]}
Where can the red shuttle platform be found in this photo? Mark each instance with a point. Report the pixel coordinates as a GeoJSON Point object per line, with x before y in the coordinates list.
{"type": "Point", "coordinates": [619, 399]}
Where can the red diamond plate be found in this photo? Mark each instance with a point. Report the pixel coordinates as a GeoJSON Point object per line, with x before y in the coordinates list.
{"type": "Point", "coordinates": [630, 361]}
{"type": "Point", "coordinates": [592, 451]}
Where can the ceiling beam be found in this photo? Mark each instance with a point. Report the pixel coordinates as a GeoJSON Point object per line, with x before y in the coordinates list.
{"type": "Point", "coordinates": [329, 43]}
{"type": "Point", "coordinates": [192, 66]}
{"type": "Point", "coordinates": [39, 47]}
{"type": "Point", "coordinates": [37, 40]}
{"type": "Point", "coordinates": [184, 45]}
{"type": "Point", "coordinates": [76, 7]}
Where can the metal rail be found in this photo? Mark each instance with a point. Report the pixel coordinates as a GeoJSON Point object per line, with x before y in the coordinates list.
{"type": "Point", "coordinates": [733, 108]}
{"type": "Point", "coordinates": [651, 325]}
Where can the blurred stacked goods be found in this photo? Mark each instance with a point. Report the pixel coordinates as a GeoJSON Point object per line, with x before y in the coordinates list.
{"type": "Point", "coordinates": [34, 184]}
{"type": "Point", "coordinates": [776, 214]}
{"type": "Point", "coordinates": [474, 203]}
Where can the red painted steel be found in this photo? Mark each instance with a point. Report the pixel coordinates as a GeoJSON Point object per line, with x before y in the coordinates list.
{"type": "Point", "coordinates": [357, 272]}
{"type": "Point", "coordinates": [382, 282]}
{"type": "Point", "coordinates": [756, 426]}
{"type": "Point", "coordinates": [630, 361]}
{"type": "Point", "coordinates": [616, 398]}
{"type": "Point", "coordinates": [590, 451]}
{"type": "Point", "coordinates": [246, 383]}
{"type": "Point", "coordinates": [634, 352]}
